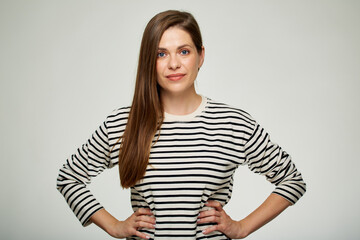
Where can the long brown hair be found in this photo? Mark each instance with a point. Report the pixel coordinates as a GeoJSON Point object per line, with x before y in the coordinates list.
{"type": "Point", "coordinates": [146, 113]}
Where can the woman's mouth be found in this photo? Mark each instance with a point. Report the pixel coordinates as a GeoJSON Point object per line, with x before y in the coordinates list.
{"type": "Point", "coordinates": [175, 77]}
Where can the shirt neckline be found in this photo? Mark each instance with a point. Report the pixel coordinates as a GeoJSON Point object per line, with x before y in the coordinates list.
{"type": "Point", "coordinates": [187, 117]}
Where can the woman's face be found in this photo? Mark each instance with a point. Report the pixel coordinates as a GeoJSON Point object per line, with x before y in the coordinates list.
{"type": "Point", "coordinates": [177, 63]}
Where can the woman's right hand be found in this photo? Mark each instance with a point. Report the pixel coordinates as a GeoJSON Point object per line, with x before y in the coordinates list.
{"type": "Point", "coordinates": [142, 218]}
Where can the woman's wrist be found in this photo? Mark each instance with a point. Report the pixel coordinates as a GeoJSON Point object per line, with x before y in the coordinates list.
{"type": "Point", "coordinates": [115, 229]}
{"type": "Point", "coordinates": [108, 223]}
{"type": "Point", "coordinates": [243, 231]}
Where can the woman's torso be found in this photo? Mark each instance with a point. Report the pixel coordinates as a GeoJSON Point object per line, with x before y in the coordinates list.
{"type": "Point", "coordinates": [192, 161]}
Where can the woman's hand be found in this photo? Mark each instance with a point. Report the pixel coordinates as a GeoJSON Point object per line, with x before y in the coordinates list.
{"type": "Point", "coordinates": [224, 223]}
{"type": "Point", "coordinates": [142, 218]}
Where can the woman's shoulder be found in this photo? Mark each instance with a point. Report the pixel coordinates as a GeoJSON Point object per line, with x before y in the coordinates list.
{"type": "Point", "coordinates": [118, 114]}
{"type": "Point", "coordinates": [221, 109]}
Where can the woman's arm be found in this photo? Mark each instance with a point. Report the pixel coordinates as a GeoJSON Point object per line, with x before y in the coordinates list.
{"type": "Point", "coordinates": [87, 162]}
{"type": "Point", "coordinates": [267, 211]}
{"type": "Point", "coordinates": [269, 159]}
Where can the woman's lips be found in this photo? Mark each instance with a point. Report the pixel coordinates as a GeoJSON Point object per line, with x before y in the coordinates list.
{"type": "Point", "coordinates": [175, 77]}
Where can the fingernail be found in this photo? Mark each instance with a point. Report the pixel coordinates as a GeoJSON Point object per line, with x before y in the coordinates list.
{"type": "Point", "coordinates": [203, 232]}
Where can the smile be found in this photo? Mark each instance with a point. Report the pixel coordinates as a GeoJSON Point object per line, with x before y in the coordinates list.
{"type": "Point", "coordinates": [175, 77]}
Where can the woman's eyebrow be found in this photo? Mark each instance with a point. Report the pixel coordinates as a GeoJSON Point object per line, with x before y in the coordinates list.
{"type": "Point", "coordinates": [185, 45]}
{"type": "Point", "coordinates": [179, 47]}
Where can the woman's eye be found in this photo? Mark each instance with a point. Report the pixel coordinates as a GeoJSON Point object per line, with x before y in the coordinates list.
{"type": "Point", "coordinates": [184, 52]}
{"type": "Point", "coordinates": [161, 54]}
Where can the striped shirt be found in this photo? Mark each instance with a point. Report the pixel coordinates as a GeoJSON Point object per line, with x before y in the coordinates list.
{"type": "Point", "coordinates": [192, 161]}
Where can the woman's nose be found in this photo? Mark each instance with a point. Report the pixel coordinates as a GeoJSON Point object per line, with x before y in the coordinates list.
{"type": "Point", "coordinates": [174, 62]}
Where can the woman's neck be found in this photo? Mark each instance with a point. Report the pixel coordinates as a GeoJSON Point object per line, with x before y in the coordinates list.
{"type": "Point", "coordinates": [181, 104]}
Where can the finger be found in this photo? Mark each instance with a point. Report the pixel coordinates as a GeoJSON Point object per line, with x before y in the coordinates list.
{"type": "Point", "coordinates": [211, 212]}
{"type": "Point", "coordinates": [144, 218]}
{"type": "Point", "coordinates": [144, 225]}
{"type": "Point", "coordinates": [143, 211]}
{"type": "Point", "coordinates": [210, 229]}
{"type": "Point", "coordinates": [142, 235]}
{"type": "Point", "coordinates": [210, 219]}
{"type": "Point", "coordinates": [214, 204]}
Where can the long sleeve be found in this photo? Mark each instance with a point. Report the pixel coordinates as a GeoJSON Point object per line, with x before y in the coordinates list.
{"type": "Point", "coordinates": [89, 161]}
{"type": "Point", "coordinates": [269, 159]}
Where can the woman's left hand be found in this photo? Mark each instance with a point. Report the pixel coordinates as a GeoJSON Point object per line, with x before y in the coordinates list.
{"type": "Point", "coordinates": [224, 223]}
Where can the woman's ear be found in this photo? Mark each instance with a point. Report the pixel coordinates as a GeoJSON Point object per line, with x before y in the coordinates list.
{"type": "Point", "coordinates": [201, 57]}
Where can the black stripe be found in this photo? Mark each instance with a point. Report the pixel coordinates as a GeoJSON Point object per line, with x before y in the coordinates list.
{"type": "Point", "coordinates": [192, 168]}
{"type": "Point", "coordinates": [181, 182]}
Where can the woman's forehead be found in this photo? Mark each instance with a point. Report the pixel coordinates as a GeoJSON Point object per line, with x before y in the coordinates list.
{"type": "Point", "coordinates": [175, 37]}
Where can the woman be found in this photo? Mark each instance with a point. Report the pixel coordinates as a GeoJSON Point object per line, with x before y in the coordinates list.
{"type": "Point", "coordinates": [177, 150]}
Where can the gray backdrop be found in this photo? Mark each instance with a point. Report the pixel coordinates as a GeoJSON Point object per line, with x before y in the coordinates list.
{"type": "Point", "coordinates": [294, 65]}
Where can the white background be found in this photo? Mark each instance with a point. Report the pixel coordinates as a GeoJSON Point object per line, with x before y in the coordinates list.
{"type": "Point", "coordinates": [294, 65]}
